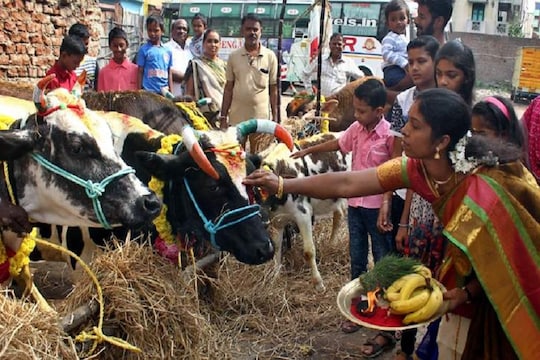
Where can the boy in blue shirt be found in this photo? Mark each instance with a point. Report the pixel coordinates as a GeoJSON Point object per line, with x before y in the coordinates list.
{"type": "Point", "coordinates": [154, 59]}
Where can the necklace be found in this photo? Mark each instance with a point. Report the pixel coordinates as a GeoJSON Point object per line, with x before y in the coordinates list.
{"type": "Point", "coordinates": [435, 184]}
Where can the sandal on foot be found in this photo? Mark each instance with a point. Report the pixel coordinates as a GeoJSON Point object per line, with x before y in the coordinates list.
{"type": "Point", "coordinates": [349, 327]}
{"type": "Point", "coordinates": [400, 355]}
{"type": "Point", "coordinates": [377, 348]}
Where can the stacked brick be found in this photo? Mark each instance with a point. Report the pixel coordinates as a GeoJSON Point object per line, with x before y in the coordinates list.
{"type": "Point", "coordinates": [31, 33]}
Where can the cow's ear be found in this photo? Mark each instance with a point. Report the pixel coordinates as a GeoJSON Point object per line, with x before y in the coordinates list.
{"type": "Point", "coordinates": [164, 167]}
{"type": "Point", "coordinates": [329, 105]}
{"type": "Point", "coordinates": [16, 143]}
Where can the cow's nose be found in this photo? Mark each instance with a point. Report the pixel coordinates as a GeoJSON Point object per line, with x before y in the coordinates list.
{"type": "Point", "coordinates": [150, 204]}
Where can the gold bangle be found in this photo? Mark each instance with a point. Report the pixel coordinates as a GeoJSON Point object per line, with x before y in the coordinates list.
{"type": "Point", "coordinates": [279, 193]}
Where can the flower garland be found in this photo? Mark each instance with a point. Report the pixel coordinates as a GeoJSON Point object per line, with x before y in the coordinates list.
{"type": "Point", "coordinates": [457, 156]}
{"type": "Point", "coordinates": [11, 262]}
{"type": "Point", "coordinates": [163, 226]}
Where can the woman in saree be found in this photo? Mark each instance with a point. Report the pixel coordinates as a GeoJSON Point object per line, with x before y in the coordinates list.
{"type": "Point", "coordinates": [205, 76]}
{"type": "Point", "coordinates": [489, 205]}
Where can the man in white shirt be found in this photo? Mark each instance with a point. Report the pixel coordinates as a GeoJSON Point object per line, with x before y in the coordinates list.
{"type": "Point", "coordinates": [336, 71]}
{"type": "Point", "coordinates": [181, 54]}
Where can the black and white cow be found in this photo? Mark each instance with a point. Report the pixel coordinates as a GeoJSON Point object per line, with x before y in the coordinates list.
{"type": "Point", "coordinates": [299, 209]}
{"type": "Point", "coordinates": [72, 174]}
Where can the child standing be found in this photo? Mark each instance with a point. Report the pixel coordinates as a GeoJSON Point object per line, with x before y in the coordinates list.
{"type": "Point", "coordinates": [154, 59]}
{"type": "Point", "coordinates": [72, 52]}
{"type": "Point", "coordinates": [120, 73]}
{"type": "Point", "coordinates": [370, 142]}
{"type": "Point", "coordinates": [88, 63]}
{"type": "Point", "coordinates": [198, 24]}
{"type": "Point", "coordinates": [394, 46]}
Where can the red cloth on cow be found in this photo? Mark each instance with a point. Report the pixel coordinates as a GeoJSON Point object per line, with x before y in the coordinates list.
{"type": "Point", "coordinates": [4, 267]}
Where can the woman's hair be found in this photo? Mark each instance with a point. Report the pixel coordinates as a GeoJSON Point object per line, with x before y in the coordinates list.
{"type": "Point", "coordinates": [201, 17]}
{"type": "Point", "coordinates": [462, 57]}
{"type": "Point", "coordinates": [117, 33]}
{"type": "Point", "coordinates": [395, 5]}
{"type": "Point", "coordinates": [499, 113]}
{"type": "Point", "coordinates": [447, 114]}
{"type": "Point", "coordinates": [208, 31]}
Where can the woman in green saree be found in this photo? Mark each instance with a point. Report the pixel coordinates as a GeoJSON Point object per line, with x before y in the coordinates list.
{"type": "Point", "coordinates": [489, 205]}
{"type": "Point", "coordinates": [205, 76]}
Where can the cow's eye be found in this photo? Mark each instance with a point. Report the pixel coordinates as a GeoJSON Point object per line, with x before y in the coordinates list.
{"type": "Point", "coordinates": [76, 147]}
{"type": "Point", "coordinates": [214, 188]}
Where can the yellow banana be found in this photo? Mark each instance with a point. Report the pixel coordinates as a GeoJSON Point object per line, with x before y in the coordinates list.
{"type": "Point", "coordinates": [414, 281]}
{"type": "Point", "coordinates": [428, 310]}
{"type": "Point", "coordinates": [423, 270]}
{"type": "Point", "coordinates": [392, 296]}
{"type": "Point", "coordinates": [414, 303]}
{"type": "Point", "coordinates": [398, 284]}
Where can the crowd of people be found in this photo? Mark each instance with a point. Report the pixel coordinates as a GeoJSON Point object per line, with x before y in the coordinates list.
{"type": "Point", "coordinates": [438, 177]}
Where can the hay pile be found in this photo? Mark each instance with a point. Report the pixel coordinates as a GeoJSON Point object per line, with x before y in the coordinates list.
{"type": "Point", "coordinates": [246, 312]}
{"type": "Point", "coordinates": [28, 333]}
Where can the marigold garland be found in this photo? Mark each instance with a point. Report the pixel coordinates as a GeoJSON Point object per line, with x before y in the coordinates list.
{"type": "Point", "coordinates": [21, 257]}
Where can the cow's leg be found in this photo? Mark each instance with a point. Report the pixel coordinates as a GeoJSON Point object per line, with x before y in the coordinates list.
{"type": "Point", "coordinates": [277, 240]}
{"type": "Point", "coordinates": [310, 256]}
{"type": "Point", "coordinates": [89, 246]}
{"type": "Point", "coordinates": [336, 222]}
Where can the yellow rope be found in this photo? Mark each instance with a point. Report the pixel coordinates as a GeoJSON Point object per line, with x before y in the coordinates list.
{"type": "Point", "coordinates": [97, 333]}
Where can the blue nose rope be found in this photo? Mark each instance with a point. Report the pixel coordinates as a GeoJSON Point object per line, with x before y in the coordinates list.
{"type": "Point", "coordinates": [93, 190]}
{"type": "Point", "coordinates": [221, 223]}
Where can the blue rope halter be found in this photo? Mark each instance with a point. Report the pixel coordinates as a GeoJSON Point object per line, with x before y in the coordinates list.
{"type": "Point", "coordinates": [93, 190]}
{"type": "Point", "coordinates": [221, 223]}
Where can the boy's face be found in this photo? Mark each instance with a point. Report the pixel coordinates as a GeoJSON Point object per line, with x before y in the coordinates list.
{"type": "Point", "coordinates": [198, 27]}
{"type": "Point", "coordinates": [70, 61]}
{"type": "Point", "coordinates": [154, 33]}
{"type": "Point", "coordinates": [421, 68]}
{"type": "Point", "coordinates": [365, 114]}
{"type": "Point", "coordinates": [118, 47]}
{"type": "Point", "coordinates": [397, 21]}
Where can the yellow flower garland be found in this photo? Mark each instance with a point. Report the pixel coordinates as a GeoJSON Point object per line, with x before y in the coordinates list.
{"type": "Point", "coordinates": [163, 226]}
{"type": "Point", "coordinates": [21, 257]}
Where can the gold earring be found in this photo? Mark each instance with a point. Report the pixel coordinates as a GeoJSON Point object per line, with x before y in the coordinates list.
{"type": "Point", "coordinates": [437, 156]}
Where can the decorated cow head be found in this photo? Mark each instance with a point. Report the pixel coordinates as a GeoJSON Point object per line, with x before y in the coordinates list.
{"type": "Point", "coordinates": [203, 189]}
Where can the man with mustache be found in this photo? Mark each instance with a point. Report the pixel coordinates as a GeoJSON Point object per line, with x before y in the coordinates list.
{"type": "Point", "coordinates": [251, 87]}
{"type": "Point", "coordinates": [433, 15]}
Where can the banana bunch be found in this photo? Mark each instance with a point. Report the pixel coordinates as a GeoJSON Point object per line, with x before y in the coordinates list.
{"type": "Point", "coordinates": [415, 296]}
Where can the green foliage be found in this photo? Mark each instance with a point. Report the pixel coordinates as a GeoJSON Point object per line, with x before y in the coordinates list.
{"type": "Point", "coordinates": [515, 30]}
{"type": "Point", "coordinates": [387, 270]}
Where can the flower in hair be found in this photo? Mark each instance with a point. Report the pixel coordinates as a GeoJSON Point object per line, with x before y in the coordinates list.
{"type": "Point", "coordinates": [461, 163]}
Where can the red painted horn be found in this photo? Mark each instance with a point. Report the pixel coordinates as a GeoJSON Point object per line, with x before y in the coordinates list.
{"type": "Point", "coordinates": [197, 153]}
{"type": "Point", "coordinates": [266, 127]}
{"type": "Point", "coordinates": [39, 92]}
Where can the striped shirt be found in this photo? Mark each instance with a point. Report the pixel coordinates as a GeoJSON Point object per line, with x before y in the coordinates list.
{"type": "Point", "coordinates": [89, 63]}
{"type": "Point", "coordinates": [394, 50]}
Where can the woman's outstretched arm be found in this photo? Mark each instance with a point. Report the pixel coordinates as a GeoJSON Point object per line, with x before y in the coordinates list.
{"type": "Point", "coordinates": [345, 184]}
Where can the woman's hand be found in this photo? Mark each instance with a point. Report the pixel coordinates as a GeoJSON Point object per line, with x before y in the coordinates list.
{"type": "Point", "coordinates": [265, 179]}
{"type": "Point", "coordinates": [455, 297]}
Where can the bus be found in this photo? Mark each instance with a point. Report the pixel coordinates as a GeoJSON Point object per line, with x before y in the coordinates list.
{"type": "Point", "coordinates": [362, 24]}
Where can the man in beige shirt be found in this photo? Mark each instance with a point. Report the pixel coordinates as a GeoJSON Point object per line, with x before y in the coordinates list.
{"type": "Point", "coordinates": [251, 87]}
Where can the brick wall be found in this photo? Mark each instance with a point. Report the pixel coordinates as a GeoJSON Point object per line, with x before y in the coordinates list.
{"type": "Point", "coordinates": [494, 55]}
{"type": "Point", "coordinates": [31, 33]}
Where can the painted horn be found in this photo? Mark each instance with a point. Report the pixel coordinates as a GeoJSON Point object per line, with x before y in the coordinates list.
{"type": "Point", "coordinates": [266, 127]}
{"type": "Point", "coordinates": [197, 153]}
{"type": "Point", "coordinates": [38, 95]}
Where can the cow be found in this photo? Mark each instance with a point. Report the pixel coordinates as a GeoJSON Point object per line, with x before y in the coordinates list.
{"type": "Point", "coordinates": [343, 113]}
{"type": "Point", "coordinates": [72, 175]}
{"type": "Point", "coordinates": [299, 209]}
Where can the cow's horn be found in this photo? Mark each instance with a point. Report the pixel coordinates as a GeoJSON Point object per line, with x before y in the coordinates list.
{"type": "Point", "coordinates": [266, 127]}
{"type": "Point", "coordinates": [197, 153]}
{"type": "Point", "coordinates": [39, 92]}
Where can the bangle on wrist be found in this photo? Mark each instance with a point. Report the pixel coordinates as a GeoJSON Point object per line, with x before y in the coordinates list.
{"type": "Point", "coordinates": [403, 225]}
{"type": "Point", "coordinates": [279, 193]}
{"type": "Point", "coordinates": [469, 295]}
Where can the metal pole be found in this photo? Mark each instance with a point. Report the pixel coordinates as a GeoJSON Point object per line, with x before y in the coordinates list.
{"type": "Point", "coordinates": [280, 59]}
{"type": "Point", "coordinates": [319, 56]}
